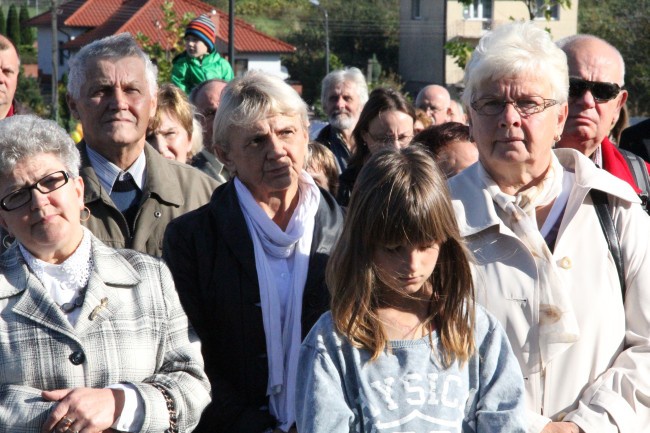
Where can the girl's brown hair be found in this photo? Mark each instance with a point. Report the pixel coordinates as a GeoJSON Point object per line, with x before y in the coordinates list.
{"type": "Point", "coordinates": [401, 197]}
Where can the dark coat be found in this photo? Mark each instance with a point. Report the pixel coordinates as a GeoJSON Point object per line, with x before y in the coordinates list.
{"type": "Point", "coordinates": [636, 139]}
{"type": "Point", "coordinates": [211, 256]}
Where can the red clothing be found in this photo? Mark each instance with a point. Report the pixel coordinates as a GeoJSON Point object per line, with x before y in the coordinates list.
{"type": "Point", "coordinates": [614, 163]}
{"type": "Point", "coordinates": [11, 111]}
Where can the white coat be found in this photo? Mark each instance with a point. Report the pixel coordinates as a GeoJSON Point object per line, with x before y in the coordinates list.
{"type": "Point", "coordinates": [602, 382]}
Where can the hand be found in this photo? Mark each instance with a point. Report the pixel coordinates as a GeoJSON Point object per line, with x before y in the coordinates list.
{"type": "Point", "coordinates": [562, 427]}
{"type": "Point", "coordinates": [87, 410]}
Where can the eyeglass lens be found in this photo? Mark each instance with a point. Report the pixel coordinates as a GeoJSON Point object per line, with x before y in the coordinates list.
{"type": "Point", "coordinates": [601, 91]}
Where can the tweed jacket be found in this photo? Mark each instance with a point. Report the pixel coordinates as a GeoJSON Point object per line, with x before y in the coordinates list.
{"type": "Point", "coordinates": [211, 256]}
{"type": "Point", "coordinates": [170, 190]}
{"type": "Point", "coordinates": [141, 336]}
{"type": "Point", "coordinates": [601, 381]}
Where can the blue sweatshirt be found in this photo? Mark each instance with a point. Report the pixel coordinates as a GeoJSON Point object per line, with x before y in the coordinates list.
{"type": "Point", "coordinates": [339, 389]}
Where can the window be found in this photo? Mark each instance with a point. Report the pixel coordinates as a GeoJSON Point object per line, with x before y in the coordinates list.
{"type": "Point", "coordinates": [478, 10]}
{"type": "Point", "coordinates": [542, 7]}
{"type": "Point", "coordinates": [415, 10]}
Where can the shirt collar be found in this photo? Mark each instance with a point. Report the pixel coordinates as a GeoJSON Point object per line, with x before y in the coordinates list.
{"type": "Point", "coordinates": [107, 172]}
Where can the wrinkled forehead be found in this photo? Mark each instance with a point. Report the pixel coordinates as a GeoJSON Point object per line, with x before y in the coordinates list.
{"type": "Point", "coordinates": [346, 88]}
{"type": "Point", "coordinates": [595, 62]}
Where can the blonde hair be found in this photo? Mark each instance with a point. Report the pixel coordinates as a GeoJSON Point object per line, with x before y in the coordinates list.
{"type": "Point", "coordinates": [401, 197]}
{"type": "Point", "coordinates": [173, 101]}
{"type": "Point", "coordinates": [319, 156]}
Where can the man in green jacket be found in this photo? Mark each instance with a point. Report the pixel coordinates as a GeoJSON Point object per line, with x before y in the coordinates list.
{"type": "Point", "coordinates": [200, 61]}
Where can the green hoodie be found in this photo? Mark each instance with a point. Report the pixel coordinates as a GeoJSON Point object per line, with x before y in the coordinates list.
{"type": "Point", "coordinates": [188, 72]}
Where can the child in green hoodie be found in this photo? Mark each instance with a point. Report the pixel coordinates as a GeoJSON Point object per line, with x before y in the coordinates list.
{"type": "Point", "coordinates": [200, 61]}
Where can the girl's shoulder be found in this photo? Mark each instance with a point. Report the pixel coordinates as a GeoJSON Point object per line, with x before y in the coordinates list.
{"type": "Point", "coordinates": [323, 335]}
{"type": "Point", "coordinates": [486, 327]}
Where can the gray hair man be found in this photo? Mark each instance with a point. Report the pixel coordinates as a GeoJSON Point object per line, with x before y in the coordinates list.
{"type": "Point", "coordinates": [596, 96]}
{"type": "Point", "coordinates": [343, 95]}
{"type": "Point", "coordinates": [436, 102]}
{"type": "Point", "coordinates": [206, 97]}
{"type": "Point", "coordinates": [132, 192]}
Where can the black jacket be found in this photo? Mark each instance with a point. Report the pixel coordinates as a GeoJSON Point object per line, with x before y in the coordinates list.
{"type": "Point", "coordinates": [210, 254]}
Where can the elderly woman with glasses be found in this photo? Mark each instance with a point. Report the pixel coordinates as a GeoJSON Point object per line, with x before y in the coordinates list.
{"type": "Point", "coordinates": [387, 120]}
{"type": "Point", "coordinates": [91, 338]}
{"type": "Point", "coordinates": [535, 219]}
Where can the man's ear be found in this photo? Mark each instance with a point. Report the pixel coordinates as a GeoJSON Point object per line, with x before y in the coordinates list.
{"type": "Point", "coordinates": [72, 105]}
{"type": "Point", "coordinates": [224, 156]}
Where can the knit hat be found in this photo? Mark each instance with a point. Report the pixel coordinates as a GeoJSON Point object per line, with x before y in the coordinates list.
{"type": "Point", "coordinates": [204, 29]}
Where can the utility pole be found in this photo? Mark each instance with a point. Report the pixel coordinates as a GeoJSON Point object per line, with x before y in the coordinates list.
{"type": "Point", "coordinates": [55, 64]}
{"type": "Point", "coordinates": [231, 33]}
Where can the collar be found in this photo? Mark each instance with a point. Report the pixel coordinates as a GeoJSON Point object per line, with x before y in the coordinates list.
{"type": "Point", "coordinates": [72, 274]}
{"type": "Point", "coordinates": [613, 161]}
{"type": "Point", "coordinates": [107, 172]}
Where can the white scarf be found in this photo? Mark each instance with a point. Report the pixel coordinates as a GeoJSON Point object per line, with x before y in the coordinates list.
{"type": "Point", "coordinates": [558, 327]}
{"type": "Point", "coordinates": [282, 339]}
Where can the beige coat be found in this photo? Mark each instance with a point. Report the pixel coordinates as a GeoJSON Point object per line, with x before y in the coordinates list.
{"type": "Point", "coordinates": [171, 189]}
{"type": "Point", "coordinates": [602, 382]}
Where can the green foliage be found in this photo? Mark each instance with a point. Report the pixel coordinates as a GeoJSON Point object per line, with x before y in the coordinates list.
{"type": "Point", "coordinates": [13, 25]}
{"type": "Point", "coordinates": [26, 32]}
{"type": "Point", "coordinates": [624, 24]}
{"type": "Point", "coordinates": [3, 22]}
{"type": "Point", "coordinates": [460, 51]}
{"type": "Point", "coordinates": [66, 120]}
{"type": "Point", "coordinates": [173, 30]}
{"type": "Point", "coordinates": [28, 92]}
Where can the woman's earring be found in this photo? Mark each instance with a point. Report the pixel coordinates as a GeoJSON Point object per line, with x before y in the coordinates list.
{"type": "Point", "coordinates": [557, 137]}
{"type": "Point", "coordinates": [7, 240]}
{"type": "Point", "coordinates": [85, 214]}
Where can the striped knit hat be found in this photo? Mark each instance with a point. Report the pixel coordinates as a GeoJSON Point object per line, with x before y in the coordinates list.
{"type": "Point", "coordinates": [204, 29]}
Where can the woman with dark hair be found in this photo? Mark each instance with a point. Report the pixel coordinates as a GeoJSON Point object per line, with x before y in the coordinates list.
{"type": "Point", "coordinates": [386, 121]}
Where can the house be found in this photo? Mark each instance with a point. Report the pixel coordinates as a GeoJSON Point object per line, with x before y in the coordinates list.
{"type": "Point", "coordinates": [431, 23]}
{"type": "Point", "coordinates": [83, 21]}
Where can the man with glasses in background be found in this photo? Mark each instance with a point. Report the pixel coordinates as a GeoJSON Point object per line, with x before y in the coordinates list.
{"type": "Point", "coordinates": [596, 95]}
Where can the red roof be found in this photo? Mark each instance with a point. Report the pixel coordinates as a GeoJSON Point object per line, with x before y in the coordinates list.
{"type": "Point", "coordinates": [109, 17]}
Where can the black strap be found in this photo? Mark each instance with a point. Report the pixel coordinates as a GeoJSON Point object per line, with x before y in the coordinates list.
{"type": "Point", "coordinates": [639, 171]}
{"type": "Point", "coordinates": [607, 224]}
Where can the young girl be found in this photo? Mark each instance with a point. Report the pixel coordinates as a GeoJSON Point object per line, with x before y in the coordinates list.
{"type": "Point", "coordinates": [404, 348]}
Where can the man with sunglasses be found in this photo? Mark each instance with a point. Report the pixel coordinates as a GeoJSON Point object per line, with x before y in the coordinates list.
{"type": "Point", "coordinates": [596, 95]}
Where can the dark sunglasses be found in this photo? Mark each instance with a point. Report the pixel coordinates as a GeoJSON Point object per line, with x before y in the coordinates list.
{"type": "Point", "coordinates": [601, 91]}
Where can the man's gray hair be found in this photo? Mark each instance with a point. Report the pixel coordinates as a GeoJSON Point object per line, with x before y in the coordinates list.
{"type": "Point", "coordinates": [349, 75]}
{"type": "Point", "coordinates": [25, 136]}
{"type": "Point", "coordinates": [517, 49]}
{"type": "Point", "coordinates": [251, 98]}
{"type": "Point", "coordinates": [566, 43]}
{"type": "Point", "coordinates": [111, 47]}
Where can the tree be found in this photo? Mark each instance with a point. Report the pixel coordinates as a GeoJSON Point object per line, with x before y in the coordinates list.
{"type": "Point", "coordinates": [26, 32]}
{"type": "Point", "coordinates": [173, 30]}
{"type": "Point", "coordinates": [3, 22]}
{"type": "Point", "coordinates": [13, 25]}
{"type": "Point", "coordinates": [29, 93]}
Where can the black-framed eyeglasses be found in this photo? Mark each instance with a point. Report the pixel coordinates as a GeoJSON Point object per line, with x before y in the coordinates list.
{"type": "Point", "coordinates": [525, 106]}
{"type": "Point", "coordinates": [600, 90]}
{"type": "Point", "coordinates": [45, 185]}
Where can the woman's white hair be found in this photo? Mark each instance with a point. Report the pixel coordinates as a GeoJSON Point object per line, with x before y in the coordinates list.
{"type": "Point", "coordinates": [25, 136]}
{"type": "Point", "coordinates": [251, 98]}
{"type": "Point", "coordinates": [513, 50]}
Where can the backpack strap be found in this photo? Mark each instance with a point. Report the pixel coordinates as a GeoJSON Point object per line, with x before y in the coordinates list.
{"type": "Point", "coordinates": [637, 167]}
{"type": "Point", "coordinates": [601, 204]}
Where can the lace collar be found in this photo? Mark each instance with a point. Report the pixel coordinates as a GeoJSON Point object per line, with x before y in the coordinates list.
{"type": "Point", "coordinates": [73, 274]}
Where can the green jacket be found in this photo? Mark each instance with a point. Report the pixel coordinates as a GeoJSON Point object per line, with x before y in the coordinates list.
{"type": "Point", "coordinates": [188, 72]}
{"type": "Point", "coordinates": [171, 189]}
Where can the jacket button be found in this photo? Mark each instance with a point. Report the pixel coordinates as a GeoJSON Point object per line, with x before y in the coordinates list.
{"type": "Point", "coordinates": [565, 263]}
{"type": "Point", "coordinates": [157, 214]}
{"type": "Point", "coordinates": [77, 357]}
